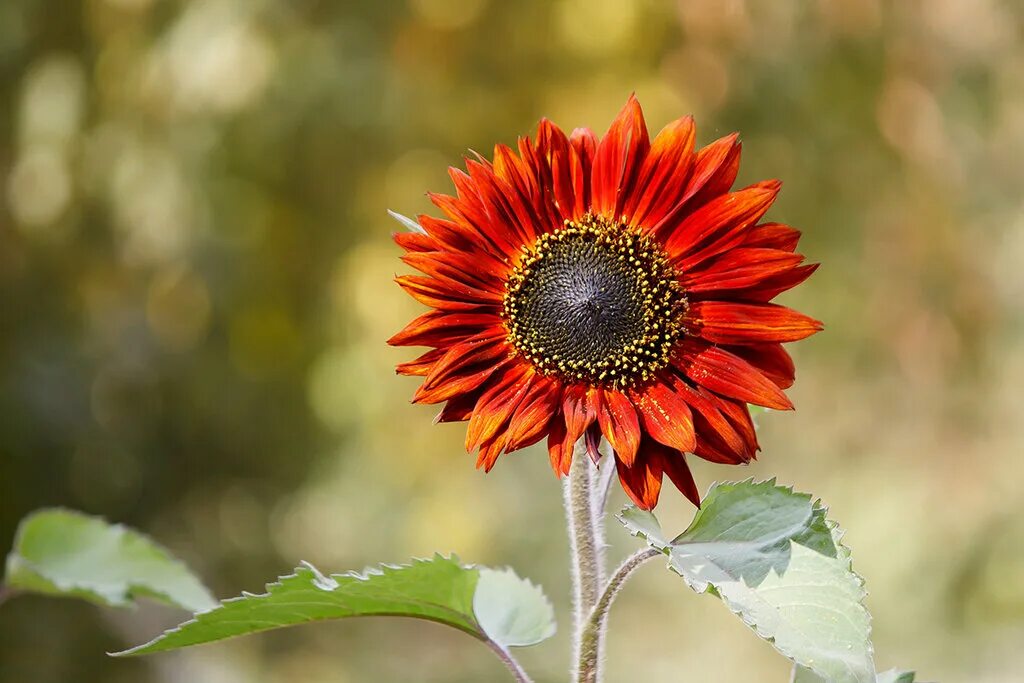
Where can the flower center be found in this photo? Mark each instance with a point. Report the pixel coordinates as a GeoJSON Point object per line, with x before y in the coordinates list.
{"type": "Point", "coordinates": [596, 302]}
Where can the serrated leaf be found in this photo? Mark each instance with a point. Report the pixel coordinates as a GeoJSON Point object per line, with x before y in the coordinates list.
{"type": "Point", "coordinates": [67, 553]}
{"type": "Point", "coordinates": [802, 675]}
{"type": "Point", "coordinates": [775, 561]}
{"type": "Point", "coordinates": [512, 611]}
{"type": "Point", "coordinates": [440, 590]}
{"type": "Point", "coordinates": [408, 223]}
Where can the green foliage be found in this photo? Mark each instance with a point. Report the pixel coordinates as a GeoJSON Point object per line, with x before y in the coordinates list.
{"type": "Point", "coordinates": [777, 563]}
{"type": "Point", "coordinates": [512, 612]}
{"type": "Point", "coordinates": [494, 606]}
{"type": "Point", "coordinates": [66, 553]}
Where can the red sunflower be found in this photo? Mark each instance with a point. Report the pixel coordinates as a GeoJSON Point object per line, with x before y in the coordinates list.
{"type": "Point", "coordinates": [614, 287]}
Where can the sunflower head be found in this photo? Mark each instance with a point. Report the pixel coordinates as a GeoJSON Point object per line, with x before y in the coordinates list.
{"type": "Point", "coordinates": [615, 286]}
{"type": "Point", "coordinates": [595, 302]}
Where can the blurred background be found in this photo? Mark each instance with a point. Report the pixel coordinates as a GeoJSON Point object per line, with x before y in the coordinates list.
{"type": "Point", "coordinates": [195, 275]}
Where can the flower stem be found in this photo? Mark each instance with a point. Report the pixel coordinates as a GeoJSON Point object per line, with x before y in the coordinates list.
{"type": "Point", "coordinates": [592, 635]}
{"type": "Point", "coordinates": [586, 545]}
{"type": "Point", "coordinates": [6, 593]}
{"type": "Point", "coordinates": [505, 656]}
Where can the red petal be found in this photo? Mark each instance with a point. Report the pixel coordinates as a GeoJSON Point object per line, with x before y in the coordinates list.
{"type": "Point", "coordinates": [732, 323]}
{"type": "Point", "coordinates": [421, 366]}
{"type": "Point", "coordinates": [469, 381]}
{"type": "Point", "coordinates": [772, 360]}
{"type": "Point", "coordinates": [458, 270]}
{"type": "Point", "coordinates": [453, 236]}
{"type": "Point", "coordinates": [772, 236]}
{"type": "Point", "coordinates": [415, 241]}
{"type": "Point", "coordinates": [468, 211]}
{"type": "Point", "coordinates": [775, 285]}
{"type": "Point", "coordinates": [738, 415]}
{"type": "Point", "coordinates": [554, 151]}
{"type": "Point", "coordinates": [662, 179]}
{"type": "Point", "coordinates": [665, 416]}
{"type": "Point", "coordinates": [739, 268]}
{"type": "Point", "coordinates": [440, 328]}
{"type": "Point", "coordinates": [674, 465]}
{"type": "Point", "coordinates": [583, 144]}
{"type": "Point", "coordinates": [642, 480]}
{"type": "Point", "coordinates": [458, 408]}
{"type": "Point", "coordinates": [437, 294]}
{"type": "Point", "coordinates": [729, 375]}
{"type": "Point", "coordinates": [497, 404]}
{"type": "Point", "coordinates": [579, 406]}
{"type": "Point", "coordinates": [716, 225]}
{"type": "Point", "coordinates": [505, 195]}
{"type": "Point", "coordinates": [619, 157]}
{"type": "Point", "coordinates": [559, 452]}
{"type": "Point", "coordinates": [467, 357]}
{"type": "Point", "coordinates": [530, 422]}
{"type": "Point", "coordinates": [619, 424]}
{"type": "Point", "coordinates": [717, 439]}
{"type": "Point", "coordinates": [490, 450]}
{"type": "Point", "coordinates": [592, 442]}
{"type": "Point", "coordinates": [715, 170]}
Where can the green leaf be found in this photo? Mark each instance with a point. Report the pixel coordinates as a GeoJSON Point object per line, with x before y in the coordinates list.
{"type": "Point", "coordinates": [802, 675]}
{"type": "Point", "coordinates": [490, 605]}
{"type": "Point", "coordinates": [61, 552]}
{"type": "Point", "coordinates": [512, 611]}
{"type": "Point", "coordinates": [408, 223]}
{"type": "Point", "coordinates": [776, 562]}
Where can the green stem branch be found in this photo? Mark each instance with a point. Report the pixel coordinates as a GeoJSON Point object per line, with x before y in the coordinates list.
{"type": "Point", "coordinates": [592, 636]}
{"type": "Point", "coordinates": [505, 656]}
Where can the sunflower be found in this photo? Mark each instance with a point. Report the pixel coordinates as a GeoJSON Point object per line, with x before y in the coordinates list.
{"type": "Point", "coordinates": [582, 287]}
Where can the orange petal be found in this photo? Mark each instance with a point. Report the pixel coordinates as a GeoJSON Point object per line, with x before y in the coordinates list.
{"type": "Point", "coordinates": [666, 416]}
{"type": "Point", "coordinates": [447, 296]}
{"type": "Point", "coordinates": [441, 328]}
{"type": "Point", "coordinates": [661, 181]}
{"type": "Point", "coordinates": [579, 406]}
{"type": "Point", "coordinates": [772, 360]}
{"type": "Point", "coordinates": [729, 375]}
{"type": "Point", "coordinates": [583, 147]}
{"type": "Point", "coordinates": [724, 322]}
{"type": "Point", "coordinates": [717, 438]}
{"type": "Point", "coordinates": [715, 170]}
{"type": "Point", "coordinates": [772, 236]}
{"type": "Point", "coordinates": [674, 465]}
{"type": "Point", "coordinates": [538, 408]}
{"type": "Point", "coordinates": [618, 159]}
{"type": "Point", "coordinates": [619, 424]}
{"type": "Point", "coordinates": [496, 405]}
{"type": "Point", "coordinates": [642, 481]}
{"type": "Point", "coordinates": [420, 366]}
{"type": "Point", "coordinates": [738, 268]}
{"type": "Point", "coordinates": [727, 215]}
{"type": "Point", "coordinates": [558, 451]}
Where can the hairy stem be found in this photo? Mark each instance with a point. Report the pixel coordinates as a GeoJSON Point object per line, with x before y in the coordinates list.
{"type": "Point", "coordinates": [504, 655]}
{"type": "Point", "coordinates": [585, 545]}
{"type": "Point", "coordinates": [592, 637]}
